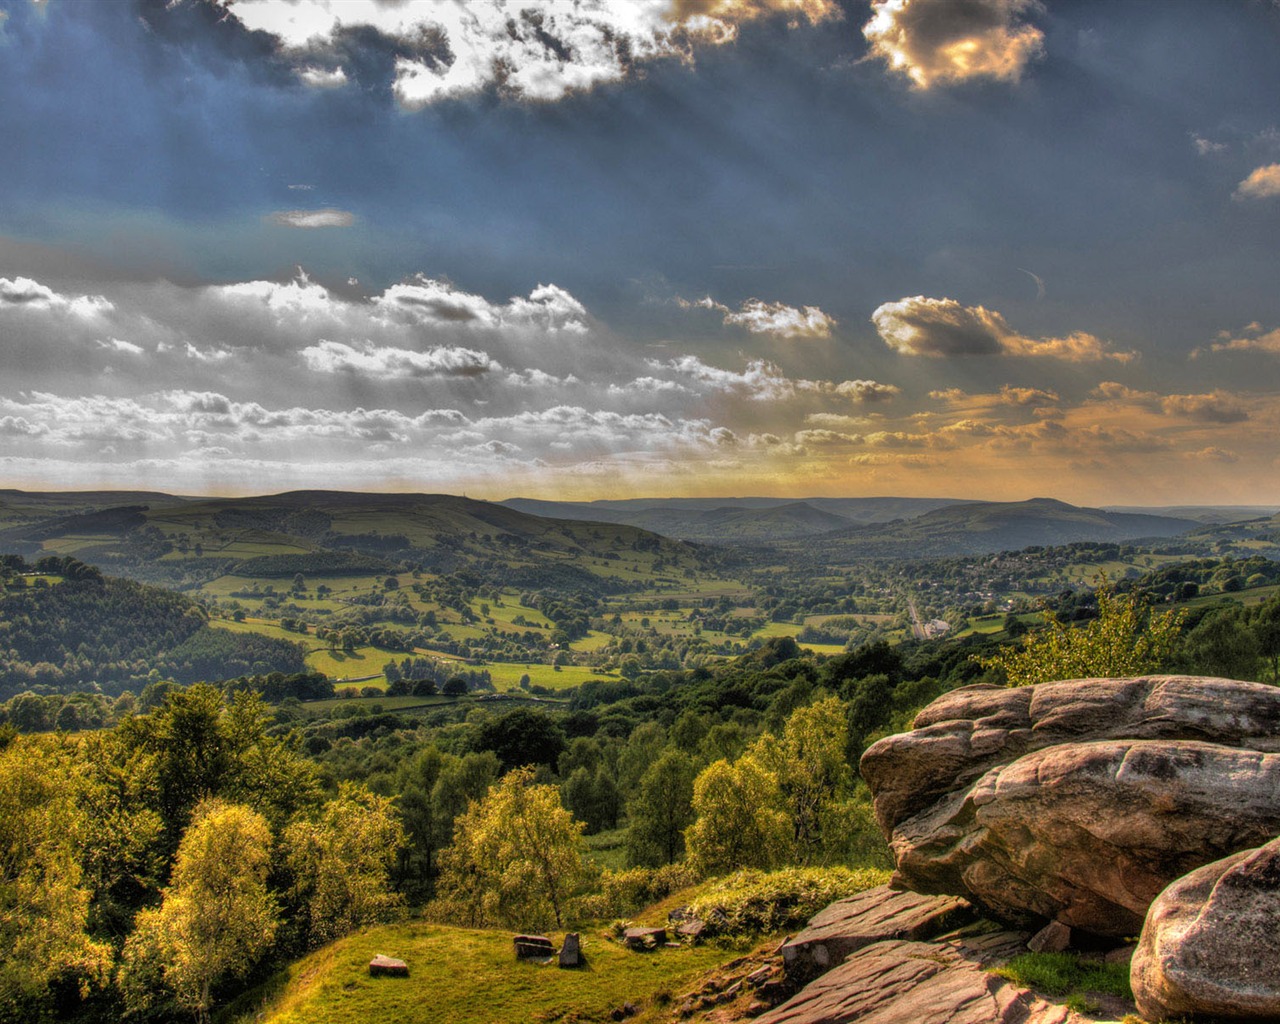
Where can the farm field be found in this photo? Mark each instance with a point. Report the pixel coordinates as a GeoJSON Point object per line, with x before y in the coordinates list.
{"type": "Point", "coordinates": [506, 675]}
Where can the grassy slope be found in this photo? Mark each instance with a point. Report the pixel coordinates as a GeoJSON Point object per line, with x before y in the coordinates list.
{"type": "Point", "coordinates": [468, 976]}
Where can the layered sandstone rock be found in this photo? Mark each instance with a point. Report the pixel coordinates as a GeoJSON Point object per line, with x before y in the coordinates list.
{"type": "Point", "coordinates": [1078, 801]}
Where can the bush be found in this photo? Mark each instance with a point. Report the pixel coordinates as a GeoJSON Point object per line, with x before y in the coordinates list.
{"type": "Point", "coordinates": [625, 892]}
{"type": "Point", "coordinates": [760, 902]}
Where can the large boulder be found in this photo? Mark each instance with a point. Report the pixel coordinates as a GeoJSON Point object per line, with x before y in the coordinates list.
{"type": "Point", "coordinates": [1211, 943]}
{"type": "Point", "coordinates": [1078, 801]}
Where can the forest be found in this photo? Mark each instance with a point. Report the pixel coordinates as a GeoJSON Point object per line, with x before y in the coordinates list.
{"type": "Point", "coordinates": [167, 849]}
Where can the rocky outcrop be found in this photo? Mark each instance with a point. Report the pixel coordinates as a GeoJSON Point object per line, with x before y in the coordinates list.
{"type": "Point", "coordinates": [1078, 801]}
{"type": "Point", "coordinates": [941, 982]}
{"type": "Point", "coordinates": [1211, 943]}
{"type": "Point", "coordinates": [872, 916]}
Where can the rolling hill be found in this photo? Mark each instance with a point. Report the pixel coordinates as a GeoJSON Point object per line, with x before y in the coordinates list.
{"type": "Point", "coordinates": [182, 542]}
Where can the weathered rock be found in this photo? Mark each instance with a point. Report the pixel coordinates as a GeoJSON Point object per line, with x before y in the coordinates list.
{"type": "Point", "coordinates": [642, 939]}
{"type": "Point", "coordinates": [571, 951]}
{"type": "Point", "coordinates": [1052, 938]}
{"type": "Point", "coordinates": [902, 982]}
{"type": "Point", "coordinates": [1025, 802]}
{"type": "Point", "coordinates": [388, 966]}
{"type": "Point", "coordinates": [871, 916]}
{"type": "Point", "coordinates": [1211, 943]}
{"type": "Point", "coordinates": [530, 947]}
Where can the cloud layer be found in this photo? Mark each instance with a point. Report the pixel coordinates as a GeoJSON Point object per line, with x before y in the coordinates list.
{"type": "Point", "coordinates": [532, 49]}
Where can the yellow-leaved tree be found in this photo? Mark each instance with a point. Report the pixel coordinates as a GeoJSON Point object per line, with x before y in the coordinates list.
{"type": "Point", "coordinates": [516, 857]}
{"type": "Point", "coordinates": [1125, 639]}
{"type": "Point", "coordinates": [739, 820]}
{"type": "Point", "coordinates": [44, 894]}
{"type": "Point", "coordinates": [341, 860]}
{"type": "Point", "coordinates": [217, 917]}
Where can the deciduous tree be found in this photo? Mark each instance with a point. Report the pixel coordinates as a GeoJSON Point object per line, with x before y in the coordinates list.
{"type": "Point", "coordinates": [341, 860]}
{"type": "Point", "coordinates": [217, 917]}
{"type": "Point", "coordinates": [516, 856]}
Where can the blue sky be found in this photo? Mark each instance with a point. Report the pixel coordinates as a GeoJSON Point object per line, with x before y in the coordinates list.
{"type": "Point", "coordinates": [982, 248]}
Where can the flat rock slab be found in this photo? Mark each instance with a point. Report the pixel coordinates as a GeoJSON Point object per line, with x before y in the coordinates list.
{"type": "Point", "coordinates": [388, 966]}
{"type": "Point", "coordinates": [903, 982]}
{"type": "Point", "coordinates": [531, 947]}
{"type": "Point", "coordinates": [872, 916]}
{"type": "Point", "coordinates": [644, 938]}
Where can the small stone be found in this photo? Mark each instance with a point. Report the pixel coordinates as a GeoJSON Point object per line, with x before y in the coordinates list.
{"type": "Point", "coordinates": [759, 977]}
{"type": "Point", "coordinates": [733, 990]}
{"type": "Point", "coordinates": [756, 1008]}
{"type": "Point", "coordinates": [571, 951]}
{"type": "Point", "coordinates": [388, 966]}
{"type": "Point", "coordinates": [1052, 938]}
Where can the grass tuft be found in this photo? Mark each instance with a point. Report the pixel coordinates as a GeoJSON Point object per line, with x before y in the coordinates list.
{"type": "Point", "coordinates": [1068, 977]}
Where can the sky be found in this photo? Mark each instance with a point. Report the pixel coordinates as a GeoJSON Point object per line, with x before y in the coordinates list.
{"type": "Point", "coordinates": [585, 249]}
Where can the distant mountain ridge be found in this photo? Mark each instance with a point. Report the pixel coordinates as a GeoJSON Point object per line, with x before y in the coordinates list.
{"type": "Point", "coordinates": [986, 527]}
{"type": "Point", "coordinates": [736, 520]}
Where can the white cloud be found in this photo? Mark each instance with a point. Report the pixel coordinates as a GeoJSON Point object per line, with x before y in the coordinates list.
{"type": "Point", "coordinates": [299, 297]}
{"type": "Point", "coordinates": [532, 49]}
{"type": "Point", "coordinates": [1262, 183]}
{"type": "Point", "coordinates": [764, 381]}
{"type": "Point", "coordinates": [24, 293]}
{"type": "Point", "coordinates": [920, 326]}
{"type": "Point", "coordinates": [328, 217]}
{"type": "Point", "coordinates": [941, 42]}
{"type": "Point", "coordinates": [867, 390]}
{"type": "Point", "coordinates": [323, 78]}
{"type": "Point", "coordinates": [648, 386]}
{"type": "Point", "coordinates": [772, 318]}
{"type": "Point", "coordinates": [425, 300]}
{"type": "Point", "coordinates": [373, 361]}
{"type": "Point", "coordinates": [1206, 147]}
{"type": "Point", "coordinates": [119, 345]}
